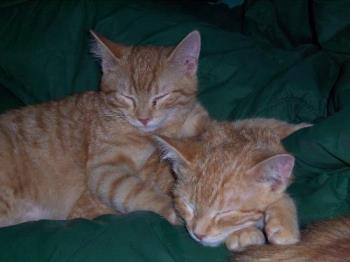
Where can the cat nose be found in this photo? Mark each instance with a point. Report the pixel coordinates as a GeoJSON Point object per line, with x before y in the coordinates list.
{"type": "Point", "coordinates": [144, 121]}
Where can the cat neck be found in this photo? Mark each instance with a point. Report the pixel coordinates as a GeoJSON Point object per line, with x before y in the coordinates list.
{"type": "Point", "coordinates": [187, 123]}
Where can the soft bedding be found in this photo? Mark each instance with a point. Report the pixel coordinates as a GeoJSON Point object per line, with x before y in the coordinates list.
{"type": "Point", "coordinates": [283, 59]}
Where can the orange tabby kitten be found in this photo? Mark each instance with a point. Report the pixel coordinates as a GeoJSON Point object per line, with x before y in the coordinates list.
{"type": "Point", "coordinates": [231, 183]}
{"type": "Point", "coordinates": [63, 155]}
{"type": "Point", "coordinates": [324, 241]}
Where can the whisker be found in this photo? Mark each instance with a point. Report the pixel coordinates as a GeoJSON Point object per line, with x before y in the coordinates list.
{"type": "Point", "coordinates": [115, 115]}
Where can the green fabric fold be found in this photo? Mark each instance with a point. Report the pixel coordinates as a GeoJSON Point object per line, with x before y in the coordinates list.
{"type": "Point", "coordinates": [265, 58]}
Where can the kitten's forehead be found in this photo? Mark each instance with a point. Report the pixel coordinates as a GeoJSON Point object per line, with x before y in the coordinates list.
{"type": "Point", "coordinates": [221, 160]}
{"type": "Point", "coordinates": [145, 66]}
{"type": "Point", "coordinates": [213, 169]}
{"type": "Point", "coordinates": [220, 175]}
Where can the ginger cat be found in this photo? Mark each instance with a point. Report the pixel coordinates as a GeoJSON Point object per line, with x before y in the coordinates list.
{"type": "Point", "coordinates": [321, 242]}
{"type": "Point", "coordinates": [90, 153]}
{"type": "Point", "coordinates": [231, 183]}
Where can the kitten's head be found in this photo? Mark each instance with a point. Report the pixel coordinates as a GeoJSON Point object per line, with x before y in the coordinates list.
{"type": "Point", "coordinates": [149, 85]}
{"type": "Point", "coordinates": [227, 178]}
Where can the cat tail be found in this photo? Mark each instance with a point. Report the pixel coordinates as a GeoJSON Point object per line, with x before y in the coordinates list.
{"type": "Point", "coordinates": [324, 241]}
{"type": "Point", "coordinates": [272, 253]}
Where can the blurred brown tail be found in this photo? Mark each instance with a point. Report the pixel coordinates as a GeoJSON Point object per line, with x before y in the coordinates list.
{"type": "Point", "coordinates": [324, 241]}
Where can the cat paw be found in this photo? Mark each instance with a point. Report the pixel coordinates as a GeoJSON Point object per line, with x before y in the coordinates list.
{"type": "Point", "coordinates": [279, 234]}
{"type": "Point", "coordinates": [239, 240]}
{"type": "Point", "coordinates": [170, 215]}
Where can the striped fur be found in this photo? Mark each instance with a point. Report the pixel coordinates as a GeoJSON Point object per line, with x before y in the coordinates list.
{"type": "Point", "coordinates": [92, 153]}
{"type": "Point", "coordinates": [231, 183]}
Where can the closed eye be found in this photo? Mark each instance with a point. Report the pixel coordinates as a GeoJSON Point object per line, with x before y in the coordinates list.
{"type": "Point", "coordinates": [238, 212]}
{"type": "Point", "coordinates": [237, 217]}
{"type": "Point", "coordinates": [130, 99]}
{"type": "Point", "coordinates": [156, 99]}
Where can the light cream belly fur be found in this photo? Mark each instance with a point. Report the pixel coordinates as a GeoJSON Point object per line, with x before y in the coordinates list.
{"type": "Point", "coordinates": [32, 188]}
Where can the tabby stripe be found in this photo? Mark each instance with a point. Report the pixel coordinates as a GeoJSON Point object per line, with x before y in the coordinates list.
{"type": "Point", "coordinates": [184, 93]}
{"type": "Point", "coordinates": [3, 201]}
{"type": "Point", "coordinates": [154, 77]}
{"type": "Point", "coordinates": [176, 102]}
{"type": "Point", "coordinates": [133, 89]}
{"type": "Point", "coordinates": [114, 187]}
{"type": "Point", "coordinates": [21, 132]}
{"type": "Point", "coordinates": [19, 187]}
{"type": "Point", "coordinates": [133, 193]}
{"type": "Point", "coordinates": [158, 173]}
{"type": "Point", "coordinates": [40, 122]}
{"type": "Point", "coordinates": [59, 125]}
{"type": "Point", "coordinates": [98, 181]}
{"type": "Point", "coordinates": [8, 139]}
{"type": "Point", "coordinates": [120, 162]}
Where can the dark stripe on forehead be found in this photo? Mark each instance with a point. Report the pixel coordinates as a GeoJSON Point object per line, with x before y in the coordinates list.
{"type": "Point", "coordinates": [185, 92]}
{"type": "Point", "coordinates": [221, 190]}
{"type": "Point", "coordinates": [145, 70]}
{"type": "Point", "coordinates": [132, 87]}
{"type": "Point", "coordinates": [152, 87]}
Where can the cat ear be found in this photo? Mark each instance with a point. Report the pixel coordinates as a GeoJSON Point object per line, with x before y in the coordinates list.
{"type": "Point", "coordinates": [177, 152]}
{"type": "Point", "coordinates": [186, 54]}
{"type": "Point", "coordinates": [106, 50]}
{"type": "Point", "coordinates": [275, 171]}
{"type": "Point", "coordinates": [284, 129]}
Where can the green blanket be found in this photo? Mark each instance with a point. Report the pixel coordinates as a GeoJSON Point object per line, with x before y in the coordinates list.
{"type": "Point", "coordinates": [284, 59]}
{"type": "Point", "coordinates": [137, 237]}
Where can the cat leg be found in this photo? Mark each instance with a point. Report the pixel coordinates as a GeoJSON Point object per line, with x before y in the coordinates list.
{"type": "Point", "coordinates": [243, 238]}
{"type": "Point", "coordinates": [158, 173]}
{"type": "Point", "coordinates": [88, 206]}
{"type": "Point", "coordinates": [118, 188]}
{"type": "Point", "coordinates": [281, 222]}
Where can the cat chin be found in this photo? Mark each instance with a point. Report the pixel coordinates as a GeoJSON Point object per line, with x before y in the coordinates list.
{"type": "Point", "coordinates": [148, 128]}
{"type": "Point", "coordinates": [207, 243]}
{"type": "Point", "coordinates": [211, 243]}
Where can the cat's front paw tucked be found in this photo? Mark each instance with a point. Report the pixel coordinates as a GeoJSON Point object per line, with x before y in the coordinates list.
{"type": "Point", "coordinates": [241, 239]}
{"type": "Point", "coordinates": [169, 214]}
{"type": "Point", "coordinates": [280, 234]}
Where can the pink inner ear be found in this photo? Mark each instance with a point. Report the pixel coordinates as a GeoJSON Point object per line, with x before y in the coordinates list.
{"type": "Point", "coordinates": [185, 55]}
{"type": "Point", "coordinates": [191, 65]}
{"type": "Point", "coordinates": [283, 171]}
{"type": "Point", "coordinates": [286, 166]}
{"type": "Point", "coordinates": [275, 170]}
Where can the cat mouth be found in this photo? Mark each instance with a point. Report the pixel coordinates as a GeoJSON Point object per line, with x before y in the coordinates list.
{"type": "Point", "coordinates": [149, 128]}
{"type": "Point", "coordinates": [153, 125]}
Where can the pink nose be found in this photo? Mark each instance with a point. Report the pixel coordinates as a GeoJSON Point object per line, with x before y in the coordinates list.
{"type": "Point", "coordinates": [144, 121]}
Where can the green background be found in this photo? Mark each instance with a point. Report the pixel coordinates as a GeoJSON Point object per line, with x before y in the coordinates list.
{"type": "Point", "coordinates": [283, 59]}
